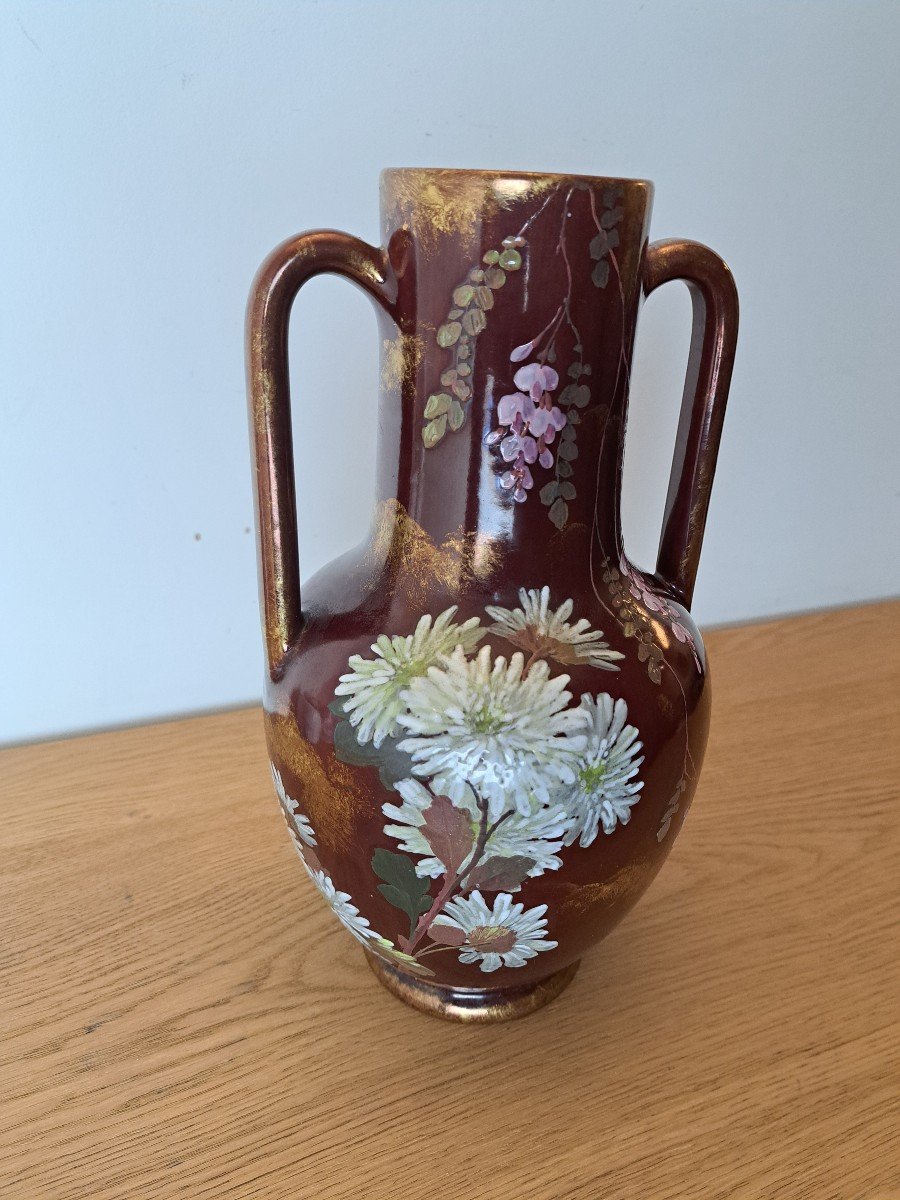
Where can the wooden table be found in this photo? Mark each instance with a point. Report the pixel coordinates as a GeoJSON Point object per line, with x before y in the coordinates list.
{"type": "Point", "coordinates": [183, 1018]}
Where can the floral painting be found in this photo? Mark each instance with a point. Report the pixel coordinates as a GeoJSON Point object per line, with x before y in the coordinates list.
{"type": "Point", "coordinates": [493, 772]}
{"type": "Point", "coordinates": [536, 419]}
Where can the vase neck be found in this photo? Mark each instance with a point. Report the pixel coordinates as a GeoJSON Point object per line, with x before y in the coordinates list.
{"type": "Point", "coordinates": [505, 378]}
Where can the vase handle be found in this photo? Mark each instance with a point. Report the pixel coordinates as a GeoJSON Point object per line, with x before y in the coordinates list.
{"type": "Point", "coordinates": [276, 285]}
{"type": "Point", "coordinates": [713, 341]}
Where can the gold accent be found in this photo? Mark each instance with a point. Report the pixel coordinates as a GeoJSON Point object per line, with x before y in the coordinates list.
{"type": "Point", "coordinates": [438, 202]}
{"type": "Point", "coordinates": [332, 799]}
{"type": "Point", "coordinates": [582, 897]}
{"type": "Point", "coordinates": [364, 268]}
{"type": "Point", "coordinates": [471, 1005]}
{"type": "Point", "coordinates": [402, 548]}
{"type": "Point", "coordinates": [400, 358]}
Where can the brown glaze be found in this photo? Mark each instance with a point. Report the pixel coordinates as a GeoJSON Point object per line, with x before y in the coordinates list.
{"type": "Point", "coordinates": [446, 533]}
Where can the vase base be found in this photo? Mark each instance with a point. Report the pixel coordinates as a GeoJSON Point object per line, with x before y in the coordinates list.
{"type": "Point", "coordinates": [475, 1005]}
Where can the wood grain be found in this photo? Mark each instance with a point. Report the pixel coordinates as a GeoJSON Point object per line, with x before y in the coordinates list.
{"type": "Point", "coordinates": [183, 1018]}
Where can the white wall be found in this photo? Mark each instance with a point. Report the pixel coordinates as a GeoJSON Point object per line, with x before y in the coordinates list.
{"type": "Point", "coordinates": [154, 152]}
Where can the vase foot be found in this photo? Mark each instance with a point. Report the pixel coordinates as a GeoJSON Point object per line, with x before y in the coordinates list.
{"type": "Point", "coordinates": [471, 1004]}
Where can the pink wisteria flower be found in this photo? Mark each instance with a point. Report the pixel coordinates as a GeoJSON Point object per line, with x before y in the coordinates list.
{"type": "Point", "coordinates": [657, 604]}
{"type": "Point", "coordinates": [529, 422]}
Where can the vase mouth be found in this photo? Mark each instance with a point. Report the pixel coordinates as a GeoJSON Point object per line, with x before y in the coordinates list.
{"type": "Point", "coordinates": [390, 175]}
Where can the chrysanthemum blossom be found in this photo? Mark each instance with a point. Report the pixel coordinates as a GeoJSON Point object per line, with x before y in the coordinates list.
{"type": "Point", "coordinates": [540, 630]}
{"type": "Point", "coordinates": [507, 733]}
{"type": "Point", "coordinates": [606, 787]}
{"type": "Point", "coordinates": [537, 835]}
{"type": "Point", "coordinates": [374, 686]}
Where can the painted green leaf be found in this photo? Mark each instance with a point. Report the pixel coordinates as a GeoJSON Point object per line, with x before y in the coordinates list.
{"type": "Point", "coordinates": [563, 469]}
{"type": "Point", "coordinates": [599, 245]}
{"type": "Point", "coordinates": [491, 258]}
{"type": "Point", "coordinates": [578, 394]}
{"type": "Point", "coordinates": [347, 749]}
{"type": "Point", "coordinates": [454, 314]}
{"type": "Point", "coordinates": [449, 377]}
{"type": "Point", "coordinates": [510, 259]}
{"type": "Point", "coordinates": [476, 275]}
{"type": "Point", "coordinates": [495, 278]}
{"type": "Point", "coordinates": [456, 416]}
{"type": "Point", "coordinates": [464, 369]}
{"type": "Point", "coordinates": [437, 403]}
{"type": "Point", "coordinates": [567, 451]}
{"type": "Point", "coordinates": [567, 491]}
{"type": "Point", "coordinates": [611, 217]}
{"type": "Point", "coordinates": [549, 492]}
{"type": "Point", "coordinates": [484, 297]}
{"type": "Point", "coordinates": [462, 296]}
{"type": "Point", "coordinates": [402, 887]}
{"type": "Point", "coordinates": [434, 431]}
{"type": "Point", "coordinates": [497, 874]}
{"type": "Point", "coordinates": [462, 390]}
{"type": "Point", "coordinates": [559, 513]}
{"type": "Point", "coordinates": [474, 321]}
{"type": "Point", "coordinates": [448, 335]}
{"type": "Point", "coordinates": [600, 274]}
{"type": "Point", "coordinates": [393, 763]}
{"type": "Point", "coordinates": [575, 370]}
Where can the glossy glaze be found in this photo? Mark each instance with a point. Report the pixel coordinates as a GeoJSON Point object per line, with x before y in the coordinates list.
{"type": "Point", "coordinates": [447, 532]}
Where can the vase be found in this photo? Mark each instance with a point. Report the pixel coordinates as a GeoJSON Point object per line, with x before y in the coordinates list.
{"type": "Point", "coordinates": [485, 723]}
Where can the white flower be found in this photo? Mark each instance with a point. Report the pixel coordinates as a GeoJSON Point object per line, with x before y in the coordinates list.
{"type": "Point", "coordinates": [540, 631]}
{"type": "Point", "coordinates": [375, 685]}
{"type": "Point", "coordinates": [349, 916]}
{"type": "Point", "coordinates": [537, 834]}
{"type": "Point", "coordinates": [342, 904]}
{"type": "Point", "coordinates": [503, 936]}
{"type": "Point", "coordinates": [505, 733]}
{"type": "Point", "coordinates": [606, 789]}
{"type": "Point", "coordinates": [291, 808]}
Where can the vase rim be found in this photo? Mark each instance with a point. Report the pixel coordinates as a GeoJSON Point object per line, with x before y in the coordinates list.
{"type": "Point", "coordinates": [499, 173]}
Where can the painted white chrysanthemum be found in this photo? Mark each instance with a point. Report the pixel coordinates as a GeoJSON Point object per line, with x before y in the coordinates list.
{"type": "Point", "coordinates": [506, 733]}
{"type": "Point", "coordinates": [374, 686]}
{"type": "Point", "coordinates": [291, 809]}
{"type": "Point", "coordinates": [537, 834]}
{"type": "Point", "coordinates": [503, 936]}
{"type": "Point", "coordinates": [544, 632]}
{"type": "Point", "coordinates": [606, 789]}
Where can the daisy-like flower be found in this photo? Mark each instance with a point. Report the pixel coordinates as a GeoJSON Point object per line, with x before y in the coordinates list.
{"type": "Point", "coordinates": [342, 905]}
{"type": "Point", "coordinates": [537, 835]}
{"type": "Point", "coordinates": [606, 789]}
{"type": "Point", "coordinates": [291, 809]}
{"type": "Point", "coordinates": [508, 734]}
{"type": "Point", "coordinates": [503, 936]}
{"type": "Point", "coordinates": [540, 630]}
{"type": "Point", "coordinates": [374, 686]}
{"type": "Point", "coordinates": [349, 916]}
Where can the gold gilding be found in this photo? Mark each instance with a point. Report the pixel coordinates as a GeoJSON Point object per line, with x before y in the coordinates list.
{"type": "Point", "coordinates": [476, 1006]}
{"type": "Point", "coordinates": [581, 898]}
{"type": "Point", "coordinates": [332, 799]}
{"type": "Point", "coordinates": [402, 549]}
{"type": "Point", "coordinates": [400, 358]}
{"type": "Point", "coordinates": [438, 202]}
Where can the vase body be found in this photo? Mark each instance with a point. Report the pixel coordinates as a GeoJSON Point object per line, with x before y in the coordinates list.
{"type": "Point", "coordinates": [485, 724]}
